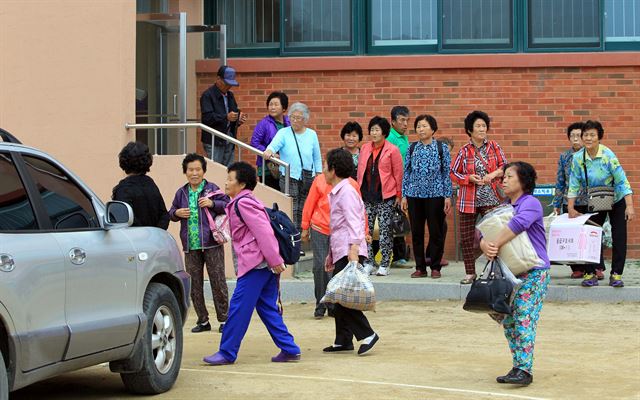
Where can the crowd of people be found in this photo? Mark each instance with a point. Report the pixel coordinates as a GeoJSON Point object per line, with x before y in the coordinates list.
{"type": "Point", "coordinates": [338, 202]}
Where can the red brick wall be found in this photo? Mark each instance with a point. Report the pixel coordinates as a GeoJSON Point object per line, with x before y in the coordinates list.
{"type": "Point", "coordinates": [530, 106]}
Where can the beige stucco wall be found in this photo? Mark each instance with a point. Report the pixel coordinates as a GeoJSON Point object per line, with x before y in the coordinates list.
{"type": "Point", "coordinates": [167, 172]}
{"type": "Point", "coordinates": [67, 80]}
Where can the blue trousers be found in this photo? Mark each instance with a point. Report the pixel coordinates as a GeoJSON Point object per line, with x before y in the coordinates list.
{"type": "Point", "coordinates": [257, 289]}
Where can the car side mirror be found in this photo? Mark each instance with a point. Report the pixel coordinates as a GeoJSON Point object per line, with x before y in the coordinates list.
{"type": "Point", "coordinates": [118, 215]}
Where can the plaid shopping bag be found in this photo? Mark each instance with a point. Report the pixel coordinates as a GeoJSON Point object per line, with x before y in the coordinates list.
{"type": "Point", "coordinates": [351, 288]}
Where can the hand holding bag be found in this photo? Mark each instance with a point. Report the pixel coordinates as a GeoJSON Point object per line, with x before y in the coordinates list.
{"type": "Point", "coordinates": [219, 225]}
{"type": "Point", "coordinates": [351, 288]}
{"type": "Point", "coordinates": [599, 198]}
{"type": "Point", "coordinates": [491, 292]}
{"type": "Point", "coordinates": [400, 225]}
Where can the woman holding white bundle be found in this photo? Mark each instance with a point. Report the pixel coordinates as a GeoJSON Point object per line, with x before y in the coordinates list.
{"type": "Point", "coordinates": [520, 328]}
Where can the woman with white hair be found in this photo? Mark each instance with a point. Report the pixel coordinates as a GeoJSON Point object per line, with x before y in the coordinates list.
{"type": "Point", "coordinates": [299, 147]}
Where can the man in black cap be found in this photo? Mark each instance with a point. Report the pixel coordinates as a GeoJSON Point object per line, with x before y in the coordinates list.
{"type": "Point", "coordinates": [220, 111]}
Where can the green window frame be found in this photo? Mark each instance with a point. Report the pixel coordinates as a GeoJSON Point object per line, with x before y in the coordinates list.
{"type": "Point", "coordinates": [621, 25]}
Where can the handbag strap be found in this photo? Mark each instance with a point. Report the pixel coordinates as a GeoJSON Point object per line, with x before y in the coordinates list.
{"type": "Point", "coordinates": [299, 154]}
{"type": "Point", "coordinates": [212, 221]}
{"type": "Point", "coordinates": [584, 166]}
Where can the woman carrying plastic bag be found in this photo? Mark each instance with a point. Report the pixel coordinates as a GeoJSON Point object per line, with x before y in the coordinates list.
{"type": "Point", "coordinates": [347, 247]}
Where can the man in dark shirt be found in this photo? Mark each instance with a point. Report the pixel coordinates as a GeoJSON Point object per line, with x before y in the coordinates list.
{"type": "Point", "coordinates": [220, 112]}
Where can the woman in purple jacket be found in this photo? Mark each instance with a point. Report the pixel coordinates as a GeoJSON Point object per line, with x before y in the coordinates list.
{"type": "Point", "coordinates": [259, 266]}
{"type": "Point", "coordinates": [520, 327]}
{"type": "Point", "coordinates": [197, 242]}
{"type": "Point", "coordinates": [266, 129]}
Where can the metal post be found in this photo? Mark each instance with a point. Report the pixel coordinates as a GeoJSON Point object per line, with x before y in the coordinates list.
{"type": "Point", "coordinates": [287, 178]}
{"type": "Point", "coordinates": [264, 172]}
{"type": "Point", "coordinates": [182, 72]}
{"type": "Point", "coordinates": [223, 44]}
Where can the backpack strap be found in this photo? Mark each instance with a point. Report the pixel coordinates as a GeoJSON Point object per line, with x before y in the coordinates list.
{"type": "Point", "coordinates": [440, 151]}
{"type": "Point", "coordinates": [235, 207]}
{"type": "Point", "coordinates": [412, 147]}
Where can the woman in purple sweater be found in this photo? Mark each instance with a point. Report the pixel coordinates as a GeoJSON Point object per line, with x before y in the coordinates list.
{"type": "Point", "coordinates": [266, 129]}
{"type": "Point", "coordinates": [518, 183]}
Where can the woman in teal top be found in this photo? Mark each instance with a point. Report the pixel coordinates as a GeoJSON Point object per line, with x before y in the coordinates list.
{"type": "Point", "coordinates": [602, 169]}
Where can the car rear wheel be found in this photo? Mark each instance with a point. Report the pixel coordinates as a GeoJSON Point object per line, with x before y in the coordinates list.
{"type": "Point", "coordinates": [4, 382]}
{"type": "Point", "coordinates": [162, 343]}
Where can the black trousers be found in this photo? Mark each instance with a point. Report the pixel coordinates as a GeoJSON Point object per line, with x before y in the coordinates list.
{"type": "Point", "coordinates": [430, 211]}
{"type": "Point", "coordinates": [579, 267]}
{"type": "Point", "coordinates": [618, 235]}
{"type": "Point", "coordinates": [349, 322]}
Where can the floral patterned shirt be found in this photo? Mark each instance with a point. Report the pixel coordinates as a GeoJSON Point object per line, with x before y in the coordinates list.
{"type": "Point", "coordinates": [562, 182]}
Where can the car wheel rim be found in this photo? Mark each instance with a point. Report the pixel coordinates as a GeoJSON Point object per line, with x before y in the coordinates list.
{"type": "Point", "coordinates": [163, 339]}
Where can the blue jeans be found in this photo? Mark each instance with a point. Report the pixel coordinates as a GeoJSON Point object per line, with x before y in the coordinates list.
{"type": "Point", "coordinates": [257, 289]}
{"type": "Point", "coordinates": [222, 154]}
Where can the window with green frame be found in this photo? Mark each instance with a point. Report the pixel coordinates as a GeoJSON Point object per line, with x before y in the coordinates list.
{"type": "Point", "coordinates": [349, 27]}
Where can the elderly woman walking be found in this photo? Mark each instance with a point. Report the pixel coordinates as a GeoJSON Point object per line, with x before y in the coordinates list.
{"type": "Point", "coordinates": [259, 266]}
{"type": "Point", "coordinates": [197, 242]}
{"type": "Point", "coordinates": [298, 146]}
{"type": "Point", "coordinates": [596, 165]}
{"type": "Point", "coordinates": [347, 244]}
{"type": "Point", "coordinates": [477, 170]}
{"type": "Point", "coordinates": [380, 180]}
{"type": "Point", "coordinates": [520, 327]}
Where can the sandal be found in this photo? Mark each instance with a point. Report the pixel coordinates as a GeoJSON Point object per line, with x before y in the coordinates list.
{"type": "Point", "coordinates": [468, 279]}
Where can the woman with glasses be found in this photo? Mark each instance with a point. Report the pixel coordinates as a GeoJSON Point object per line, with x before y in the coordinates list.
{"type": "Point", "coordinates": [596, 165]}
{"type": "Point", "coordinates": [299, 147]}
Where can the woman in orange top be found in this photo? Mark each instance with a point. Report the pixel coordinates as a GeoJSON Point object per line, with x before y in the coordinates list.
{"type": "Point", "coordinates": [315, 218]}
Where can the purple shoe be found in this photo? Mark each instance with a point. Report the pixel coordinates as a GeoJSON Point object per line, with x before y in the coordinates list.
{"type": "Point", "coordinates": [590, 280]}
{"type": "Point", "coordinates": [615, 280]}
{"type": "Point", "coordinates": [216, 359]}
{"type": "Point", "coordinates": [285, 357]}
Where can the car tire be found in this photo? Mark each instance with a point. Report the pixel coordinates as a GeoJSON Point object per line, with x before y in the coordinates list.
{"type": "Point", "coordinates": [162, 343]}
{"type": "Point", "coordinates": [4, 381]}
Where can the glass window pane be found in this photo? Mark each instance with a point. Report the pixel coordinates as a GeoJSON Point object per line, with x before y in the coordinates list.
{"type": "Point", "coordinates": [250, 23]}
{"type": "Point", "coordinates": [622, 20]}
{"type": "Point", "coordinates": [68, 207]}
{"type": "Point", "coordinates": [404, 22]}
{"type": "Point", "coordinates": [312, 25]}
{"type": "Point", "coordinates": [16, 213]}
{"type": "Point", "coordinates": [564, 23]}
{"type": "Point", "coordinates": [477, 24]}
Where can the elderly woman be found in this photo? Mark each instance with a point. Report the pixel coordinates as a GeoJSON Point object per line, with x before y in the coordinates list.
{"type": "Point", "coordinates": [348, 244]}
{"type": "Point", "coordinates": [426, 193]}
{"type": "Point", "coordinates": [477, 170]}
{"type": "Point", "coordinates": [574, 134]}
{"type": "Point", "coordinates": [138, 189]}
{"type": "Point", "coordinates": [600, 166]}
{"type": "Point", "coordinates": [521, 326]}
{"type": "Point", "coordinates": [259, 264]}
{"type": "Point", "coordinates": [298, 146]}
{"type": "Point", "coordinates": [265, 131]}
{"type": "Point", "coordinates": [380, 180]}
{"type": "Point", "coordinates": [351, 135]}
{"type": "Point", "coordinates": [197, 243]}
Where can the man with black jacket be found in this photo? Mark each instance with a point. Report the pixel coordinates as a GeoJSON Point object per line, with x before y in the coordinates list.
{"type": "Point", "coordinates": [220, 112]}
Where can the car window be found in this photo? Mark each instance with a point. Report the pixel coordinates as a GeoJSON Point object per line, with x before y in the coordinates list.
{"type": "Point", "coordinates": [16, 212]}
{"type": "Point", "coordinates": [68, 207]}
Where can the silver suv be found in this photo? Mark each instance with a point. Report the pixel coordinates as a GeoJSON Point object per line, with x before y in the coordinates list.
{"type": "Point", "coordinates": [78, 285]}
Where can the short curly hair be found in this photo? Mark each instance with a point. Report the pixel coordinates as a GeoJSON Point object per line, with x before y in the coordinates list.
{"type": "Point", "coordinates": [472, 117]}
{"type": "Point", "coordinates": [245, 173]}
{"type": "Point", "coordinates": [191, 157]}
{"type": "Point", "coordinates": [433, 124]}
{"type": "Point", "coordinates": [573, 127]}
{"type": "Point", "coordinates": [134, 158]}
{"type": "Point", "coordinates": [382, 122]}
{"type": "Point", "coordinates": [526, 175]}
{"type": "Point", "coordinates": [340, 162]}
{"type": "Point", "coordinates": [350, 127]}
{"type": "Point", "coordinates": [593, 125]}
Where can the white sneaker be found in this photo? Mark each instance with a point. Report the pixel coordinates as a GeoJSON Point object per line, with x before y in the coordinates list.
{"type": "Point", "coordinates": [383, 271]}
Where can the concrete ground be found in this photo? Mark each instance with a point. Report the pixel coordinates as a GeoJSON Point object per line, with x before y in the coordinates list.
{"type": "Point", "coordinates": [427, 350]}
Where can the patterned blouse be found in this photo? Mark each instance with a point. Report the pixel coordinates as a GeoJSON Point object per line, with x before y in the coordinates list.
{"type": "Point", "coordinates": [603, 170]}
{"type": "Point", "coordinates": [193, 223]}
{"type": "Point", "coordinates": [485, 196]}
{"type": "Point", "coordinates": [424, 176]}
{"type": "Point", "coordinates": [562, 182]}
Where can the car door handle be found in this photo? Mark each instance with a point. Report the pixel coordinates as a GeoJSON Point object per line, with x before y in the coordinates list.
{"type": "Point", "coordinates": [6, 263]}
{"type": "Point", "coordinates": [77, 256]}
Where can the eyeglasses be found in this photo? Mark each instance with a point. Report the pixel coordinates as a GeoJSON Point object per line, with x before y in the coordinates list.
{"type": "Point", "coordinates": [575, 135]}
{"type": "Point", "coordinates": [296, 118]}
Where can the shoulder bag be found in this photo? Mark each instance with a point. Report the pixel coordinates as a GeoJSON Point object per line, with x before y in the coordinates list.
{"type": "Point", "coordinates": [491, 292]}
{"type": "Point", "coordinates": [599, 198]}
{"type": "Point", "coordinates": [307, 176]}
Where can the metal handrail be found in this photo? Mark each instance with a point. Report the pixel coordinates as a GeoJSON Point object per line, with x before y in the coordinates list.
{"type": "Point", "coordinates": [197, 125]}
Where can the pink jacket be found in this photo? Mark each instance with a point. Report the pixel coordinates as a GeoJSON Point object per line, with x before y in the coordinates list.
{"type": "Point", "coordinates": [253, 240]}
{"type": "Point", "coordinates": [390, 168]}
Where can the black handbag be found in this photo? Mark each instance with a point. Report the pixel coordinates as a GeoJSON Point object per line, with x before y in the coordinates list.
{"type": "Point", "coordinates": [400, 225]}
{"type": "Point", "coordinates": [491, 293]}
{"type": "Point", "coordinates": [307, 175]}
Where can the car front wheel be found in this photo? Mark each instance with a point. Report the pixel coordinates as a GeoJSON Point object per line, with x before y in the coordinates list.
{"type": "Point", "coordinates": [162, 343]}
{"type": "Point", "coordinates": [4, 382]}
